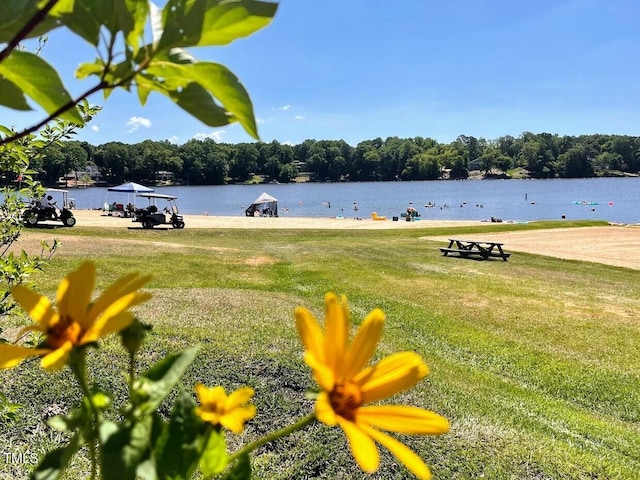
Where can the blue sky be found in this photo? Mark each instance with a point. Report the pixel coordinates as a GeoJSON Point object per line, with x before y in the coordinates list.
{"type": "Point", "coordinates": [360, 69]}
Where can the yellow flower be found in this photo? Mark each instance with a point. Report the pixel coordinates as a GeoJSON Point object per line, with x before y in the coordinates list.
{"type": "Point", "coordinates": [77, 321]}
{"type": "Point", "coordinates": [348, 384]}
{"type": "Point", "coordinates": [229, 411]}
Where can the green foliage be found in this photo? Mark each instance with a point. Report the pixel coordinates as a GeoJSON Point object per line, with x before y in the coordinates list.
{"type": "Point", "coordinates": [56, 461]}
{"type": "Point", "coordinates": [525, 399]}
{"type": "Point", "coordinates": [152, 387]}
{"type": "Point", "coordinates": [178, 449]}
{"type": "Point", "coordinates": [8, 410]}
{"type": "Point", "coordinates": [116, 28]}
{"type": "Point", "coordinates": [198, 162]}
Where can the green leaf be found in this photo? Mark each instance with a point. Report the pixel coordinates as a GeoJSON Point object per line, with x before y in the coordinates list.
{"type": "Point", "coordinates": [124, 447]}
{"type": "Point", "coordinates": [78, 18]}
{"type": "Point", "coordinates": [124, 15]}
{"type": "Point", "coordinates": [55, 462]}
{"type": "Point", "coordinates": [198, 102]}
{"type": "Point", "coordinates": [240, 470]}
{"type": "Point", "coordinates": [139, 11]}
{"type": "Point", "coordinates": [182, 24]}
{"type": "Point", "coordinates": [207, 23]}
{"type": "Point", "coordinates": [11, 96]}
{"type": "Point", "coordinates": [214, 457]}
{"type": "Point", "coordinates": [15, 14]}
{"type": "Point", "coordinates": [228, 21]}
{"type": "Point", "coordinates": [178, 451]}
{"type": "Point", "coordinates": [152, 387]}
{"type": "Point", "coordinates": [41, 82]}
{"type": "Point", "coordinates": [209, 78]}
{"type": "Point", "coordinates": [86, 69]}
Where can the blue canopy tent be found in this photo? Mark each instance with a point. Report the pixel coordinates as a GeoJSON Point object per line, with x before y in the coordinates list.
{"type": "Point", "coordinates": [129, 188]}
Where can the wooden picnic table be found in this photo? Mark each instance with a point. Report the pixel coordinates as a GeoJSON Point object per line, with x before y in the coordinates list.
{"type": "Point", "coordinates": [473, 248]}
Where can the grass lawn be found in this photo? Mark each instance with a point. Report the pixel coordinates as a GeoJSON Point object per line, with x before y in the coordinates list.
{"type": "Point", "coordinates": [534, 361]}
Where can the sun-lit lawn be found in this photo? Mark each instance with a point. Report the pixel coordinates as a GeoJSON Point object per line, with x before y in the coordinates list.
{"type": "Point", "coordinates": [534, 361]}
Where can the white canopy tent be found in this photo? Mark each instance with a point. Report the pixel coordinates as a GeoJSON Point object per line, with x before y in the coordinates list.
{"type": "Point", "coordinates": [265, 204]}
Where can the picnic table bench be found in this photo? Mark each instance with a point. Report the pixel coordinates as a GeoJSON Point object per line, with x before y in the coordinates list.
{"type": "Point", "coordinates": [474, 248]}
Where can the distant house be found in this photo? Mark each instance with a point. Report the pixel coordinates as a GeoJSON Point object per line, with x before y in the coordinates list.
{"type": "Point", "coordinates": [164, 177]}
{"type": "Point", "coordinates": [84, 177]}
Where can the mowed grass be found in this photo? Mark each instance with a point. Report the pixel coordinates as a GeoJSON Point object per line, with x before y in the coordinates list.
{"type": "Point", "coordinates": [534, 361]}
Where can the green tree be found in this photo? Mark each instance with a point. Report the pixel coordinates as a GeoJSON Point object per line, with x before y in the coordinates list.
{"type": "Point", "coordinates": [244, 162]}
{"type": "Point", "coordinates": [576, 162]}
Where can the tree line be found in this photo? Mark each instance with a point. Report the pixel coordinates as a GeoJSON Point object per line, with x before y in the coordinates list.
{"type": "Point", "coordinates": [206, 162]}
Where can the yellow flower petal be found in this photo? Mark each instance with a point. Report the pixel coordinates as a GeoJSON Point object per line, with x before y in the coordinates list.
{"type": "Point", "coordinates": [322, 374]}
{"type": "Point", "coordinates": [12, 355]}
{"type": "Point", "coordinates": [365, 343]}
{"type": "Point", "coordinates": [336, 332]}
{"type": "Point", "coordinates": [124, 286]}
{"type": "Point", "coordinates": [57, 358]}
{"type": "Point", "coordinates": [234, 421]}
{"type": "Point", "coordinates": [201, 392]}
{"type": "Point", "coordinates": [210, 417]}
{"type": "Point", "coordinates": [324, 411]}
{"type": "Point", "coordinates": [74, 293]}
{"type": "Point", "coordinates": [310, 332]}
{"type": "Point", "coordinates": [403, 419]}
{"type": "Point", "coordinates": [210, 397]}
{"type": "Point", "coordinates": [37, 306]}
{"type": "Point", "coordinates": [363, 448]}
{"type": "Point", "coordinates": [399, 450]}
{"type": "Point", "coordinates": [238, 398]}
{"type": "Point", "coordinates": [105, 326]}
{"type": "Point", "coordinates": [391, 375]}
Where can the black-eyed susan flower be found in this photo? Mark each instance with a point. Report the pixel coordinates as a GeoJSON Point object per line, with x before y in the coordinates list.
{"type": "Point", "coordinates": [75, 320]}
{"type": "Point", "coordinates": [348, 384]}
{"type": "Point", "coordinates": [231, 411]}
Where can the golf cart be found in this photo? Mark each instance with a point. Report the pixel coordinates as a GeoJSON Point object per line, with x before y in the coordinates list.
{"type": "Point", "coordinates": [47, 209]}
{"type": "Point", "coordinates": [150, 216]}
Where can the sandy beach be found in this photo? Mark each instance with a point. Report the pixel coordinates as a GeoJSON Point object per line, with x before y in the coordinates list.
{"type": "Point", "coordinates": [95, 218]}
{"type": "Point", "coordinates": [617, 245]}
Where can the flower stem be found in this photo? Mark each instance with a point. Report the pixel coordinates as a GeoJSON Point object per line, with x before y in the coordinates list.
{"type": "Point", "coordinates": [132, 371]}
{"type": "Point", "coordinates": [300, 424]}
{"type": "Point", "coordinates": [79, 369]}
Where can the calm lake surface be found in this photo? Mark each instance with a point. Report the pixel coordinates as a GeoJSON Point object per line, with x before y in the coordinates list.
{"type": "Point", "coordinates": [611, 199]}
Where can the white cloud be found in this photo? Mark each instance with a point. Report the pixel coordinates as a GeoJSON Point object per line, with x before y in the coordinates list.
{"type": "Point", "coordinates": [285, 107]}
{"type": "Point", "coordinates": [173, 139]}
{"type": "Point", "coordinates": [95, 128]}
{"type": "Point", "coordinates": [299, 117]}
{"type": "Point", "coordinates": [136, 122]}
{"type": "Point", "coordinates": [289, 142]}
{"type": "Point", "coordinates": [217, 135]}
{"type": "Point", "coordinates": [259, 120]}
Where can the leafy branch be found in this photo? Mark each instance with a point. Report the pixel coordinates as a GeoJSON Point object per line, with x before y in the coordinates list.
{"type": "Point", "coordinates": [207, 91]}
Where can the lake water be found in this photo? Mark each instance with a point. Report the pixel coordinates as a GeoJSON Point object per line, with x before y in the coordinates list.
{"type": "Point", "coordinates": [611, 199]}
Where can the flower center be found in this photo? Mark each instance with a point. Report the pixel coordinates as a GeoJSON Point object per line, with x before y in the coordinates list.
{"type": "Point", "coordinates": [66, 330]}
{"type": "Point", "coordinates": [345, 398]}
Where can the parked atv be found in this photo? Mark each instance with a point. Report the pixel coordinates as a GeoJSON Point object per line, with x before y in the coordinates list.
{"type": "Point", "coordinates": [150, 216]}
{"type": "Point", "coordinates": [47, 210]}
